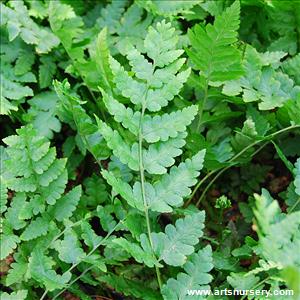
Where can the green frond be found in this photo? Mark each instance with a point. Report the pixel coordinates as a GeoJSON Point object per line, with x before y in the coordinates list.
{"type": "Point", "coordinates": [168, 9]}
{"type": "Point", "coordinates": [40, 269]}
{"type": "Point", "coordinates": [36, 228]}
{"type": "Point", "coordinates": [130, 287]}
{"type": "Point", "coordinates": [158, 157]}
{"type": "Point", "coordinates": [213, 52]}
{"type": "Point", "coordinates": [124, 189]}
{"type": "Point", "coordinates": [196, 276]}
{"type": "Point", "coordinates": [87, 129]}
{"type": "Point", "coordinates": [171, 189]}
{"type": "Point", "coordinates": [19, 23]}
{"type": "Point", "coordinates": [159, 81]}
{"type": "Point", "coordinates": [8, 242]}
{"type": "Point", "coordinates": [262, 82]}
{"type": "Point", "coordinates": [19, 295]}
{"type": "Point", "coordinates": [140, 255]}
{"type": "Point", "coordinates": [177, 242]}
{"type": "Point", "coordinates": [39, 168]}
{"type": "Point", "coordinates": [291, 67]}
{"type": "Point", "coordinates": [69, 249]}
{"type": "Point", "coordinates": [91, 239]}
{"type": "Point", "coordinates": [154, 128]}
{"type": "Point", "coordinates": [65, 206]}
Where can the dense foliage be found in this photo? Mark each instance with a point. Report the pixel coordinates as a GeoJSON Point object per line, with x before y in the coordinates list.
{"type": "Point", "coordinates": [149, 148]}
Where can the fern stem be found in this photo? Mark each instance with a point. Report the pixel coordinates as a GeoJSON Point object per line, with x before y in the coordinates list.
{"type": "Point", "coordinates": [268, 138]}
{"type": "Point", "coordinates": [73, 281]}
{"type": "Point", "coordinates": [146, 210]}
{"type": "Point", "coordinates": [203, 104]}
{"type": "Point", "coordinates": [225, 169]}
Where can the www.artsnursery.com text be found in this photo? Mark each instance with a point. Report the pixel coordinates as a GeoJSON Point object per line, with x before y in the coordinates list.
{"type": "Point", "coordinates": [237, 292]}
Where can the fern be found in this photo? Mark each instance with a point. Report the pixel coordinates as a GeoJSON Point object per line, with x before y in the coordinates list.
{"type": "Point", "coordinates": [178, 241]}
{"type": "Point", "coordinates": [15, 74]}
{"type": "Point", "coordinates": [40, 269]}
{"type": "Point", "coordinates": [291, 66]}
{"type": "Point", "coordinates": [150, 87]}
{"type": "Point", "coordinates": [19, 23]}
{"type": "Point", "coordinates": [43, 114]}
{"type": "Point", "coordinates": [212, 50]}
{"type": "Point", "coordinates": [262, 82]}
{"type": "Point", "coordinates": [39, 181]}
{"type": "Point", "coordinates": [126, 27]}
{"type": "Point", "coordinates": [72, 112]}
{"type": "Point", "coordinates": [278, 235]}
{"type": "Point", "coordinates": [195, 278]}
{"type": "Point", "coordinates": [168, 9]}
{"type": "Point", "coordinates": [19, 295]}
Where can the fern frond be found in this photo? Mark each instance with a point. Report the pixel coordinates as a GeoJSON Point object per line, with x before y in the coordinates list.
{"type": "Point", "coordinates": [156, 158]}
{"type": "Point", "coordinates": [175, 185]}
{"type": "Point", "coordinates": [8, 242]}
{"type": "Point", "coordinates": [18, 22]}
{"type": "Point", "coordinates": [15, 73]}
{"type": "Point", "coordinates": [291, 67]}
{"type": "Point", "coordinates": [38, 180]}
{"type": "Point", "coordinates": [212, 51]}
{"type": "Point", "coordinates": [36, 228]}
{"type": "Point", "coordinates": [38, 168]}
{"type": "Point", "coordinates": [140, 255]}
{"type": "Point", "coordinates": [168, 9]}
{"type": "Point", "coordinates": [19, 295]}
{"type": "Point", "coordinates": [262, 82]}
{"type": "Point", "coordinates": [40, 268]}
{"type": "Point", "coordinates": [195, 278]}
{"type": "Point", "coordinates": [69, 249]}
{"type": "Point", "coordinates": [67, 204]}
{"type": "Point", "coordinates": [177, 242]}
{"type": "Point", "coordinates": [124, 189]}
{"type": "Point", "coordinates": [278, 233]}
{"type": "Point", "coordinates": [88, 131]}
{"type": "Point", "coordinates": [154, 128]}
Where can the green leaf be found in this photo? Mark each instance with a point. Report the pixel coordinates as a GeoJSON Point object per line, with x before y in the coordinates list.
{"type": "Point", "coordinates": [169, 9]}
{"type": "Point", "coordinates": [140, 255]}
{"type": "Point", "coordinates": [124, 189]}
{"type": "Point", "coordinates": [102, 60]}
{"type": "Point", "coordinates": [40, 268]}
{"type": "Point", "coordinates": [69, 249]}
{"type": "Point", "coordinates": [47, 69]}
{"type": "Point", "coordinates": [36, 228]}
{"type": "Point", "coordinates": [18, 22]}
{"type": "Point", "coordinates": [42, 114]}
{"type": "Point", "coordinates": [8, 244]}
{"type": "Point", "coordinates": [16, 273]}
{"type": "Point", "coordinates": [172, 187]}
{"type": "Point", "coordinates": [195, 278]}
{"type": "Point", "coordinates": [87, 130]}
{"type": "Point", "coordinates": [242, 281]}
{"type": "Point", "coordinates": [90, 238]}
{"type": "Point", "coordinates": [64, 208]}
{"type": "Point", "coordinates": [177, 242]}
{"type": "Point", "coordinates": [262, 83]}
{"type": "Point", "coordinates": [212, 50]}
{"type": "Point", "coordinates": [19, 295]}
{"type": "Point", "coordinates": [156, 87]}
